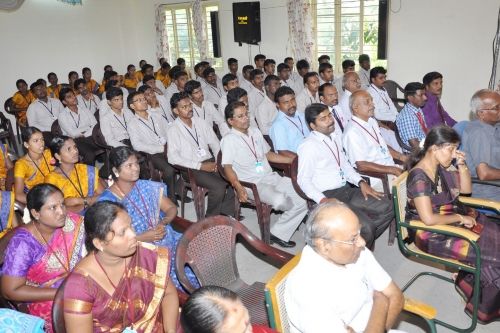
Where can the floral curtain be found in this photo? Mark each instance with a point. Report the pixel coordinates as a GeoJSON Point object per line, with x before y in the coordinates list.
{"type": "Point", "coordinates": [300, 29]}
{"type": "Point", "coordinates": [200, 31]}
{"type": "Point", "coordinates": [162, 50]}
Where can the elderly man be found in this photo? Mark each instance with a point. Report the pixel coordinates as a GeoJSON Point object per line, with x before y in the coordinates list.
{"type": "Point", "coordinates": [338, 286]}
{"type": "Point", "coordinates": [481, 143]}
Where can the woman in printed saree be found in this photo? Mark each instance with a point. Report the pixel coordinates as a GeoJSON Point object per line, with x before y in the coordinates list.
{"type": "Point", "coordinates": [118, 272]}
{"type": "Point", "coordinates": [41, 253]}
{"type": "Point", "coordinates": [5, 165]}
{"type": "Point", "coordinates": [8, 220]}
{"type": "Point", "coordinates": [147, 203]}
{"type": "Point", "coordinates": [32, 168]}
{"type": "Point", "coordinates": [78, 182]}
{"type": "Point", "coordinates": [433, 187]}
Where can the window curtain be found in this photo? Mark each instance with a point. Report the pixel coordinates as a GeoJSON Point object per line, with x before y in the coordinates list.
{"type": "Point", "coordinates": [300, 29]}
{"type": "Point", "coordinates": [162, 50]}
{"type": "Point", "coordinates": [199, 26]}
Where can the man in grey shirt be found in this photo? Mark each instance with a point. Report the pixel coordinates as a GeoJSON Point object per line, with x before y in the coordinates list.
{"type": "Point", "coordinates": [481, 143]}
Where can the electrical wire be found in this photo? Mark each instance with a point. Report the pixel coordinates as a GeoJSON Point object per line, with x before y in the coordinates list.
{"type": "Point", "coordinates": [496, 54]}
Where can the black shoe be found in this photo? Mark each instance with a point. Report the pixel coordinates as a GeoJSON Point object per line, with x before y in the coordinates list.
{"type": "Point", "coordinates": [281, 242]}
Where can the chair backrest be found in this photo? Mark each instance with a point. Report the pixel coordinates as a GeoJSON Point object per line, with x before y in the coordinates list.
{"type": "Point", "coordinates": [98, 137]}
{"type": "Point", "coordinates": [208, 247]}
{"type": "Point", "coordinates": [55, 129]}
{"type": "Point", "coordinates": [58, 310]}
{"type": "Point", "coordinates": [275, 297]}
{"type": "Point", "coordinates": [400, 200]}
{"type": "Point", "coordinates": [9, 106]}
{"type": "Point", "coordinates": [400, 140]}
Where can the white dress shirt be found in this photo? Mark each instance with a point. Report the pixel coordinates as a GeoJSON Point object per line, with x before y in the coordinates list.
{"type": "Point", "coordinates": [114, 127]}
{"type": "Point", "coordinates": [172, 89]}
{"type": "Point", "coordinates": [305, 98]}
{"type": "Point", "coordinates": [344, 103]}
{"type": "Point", "coordinates": [221, 106]}
{"type": "Point", "coordinates": [163, 109]}
{"type": "Point", "coordinates": [384, 107]}
{"type": "Point", "coordinates": [265, 114]}
{"type": "Point", "coordinates": [338, 82]}
{"type": "Point", "coordinates": [210, 115]}
{"type": "Point", "coordinates": [344, 118]}
{"type": "Point", "coordinates": [41, 115]}
{"type": "Point", "coordinates": [91, 104]}
{"type": "Point", "coordinates": [245, 84]}
{"type": "Point", "coordinates": [364, 77]}
{"type": "Point", "coordinates": [189, 146]}
{"type": "Point", "coordinates": [323, 166]}
{"type": "Point", "coordinates": [255, 97]}
{"type": "Point", "coordinates": [212, 94]}
{"type": "Point", "coordinates": [148, 135]}
{"type": "Point", "coordinates": [76, 124]}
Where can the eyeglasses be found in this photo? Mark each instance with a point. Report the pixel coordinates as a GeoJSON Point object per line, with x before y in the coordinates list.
{"type": "Point", "coordinates": [351, 242]}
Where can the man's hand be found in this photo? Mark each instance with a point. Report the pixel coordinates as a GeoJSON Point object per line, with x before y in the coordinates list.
{"type": "Point", "coordinates": [396, 171]}
{"type": "Point", "coordinates": [367, 190]}
{"type": "Point", "coordinates": [208, 166]}
{"type": "Point", "coordinates": [241, 192]}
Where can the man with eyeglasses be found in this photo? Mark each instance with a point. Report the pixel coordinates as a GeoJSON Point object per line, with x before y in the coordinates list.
{"type": "Point", "coordinates": [338, 285]}
{"type": "Point", "coordinates": [481, 143]}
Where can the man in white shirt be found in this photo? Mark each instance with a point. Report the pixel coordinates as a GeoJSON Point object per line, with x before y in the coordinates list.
{"type": "Point", "coordinates": [303, 68]}
{"type": "Point", "coordinates": [114, 124]}
{"type": "Point", "coordinates": [179, 81]}
{"type": "Point", "coordinates": [148, 134]}
{"type": "Point", "coordinates": [229, 81]}
{"type": "Point", "coordinates": [364, 71]}
{"type": "Point", "coordinates": [259, 61]}
{"type": "Point", "coordinates": [256, 94]}
{"type": "Point", "coordinates": [325, 71]}
{"type": "Point", "coordinates": [149, 70]}
{"type": "Point", "coordinates": [44, 110]}
{"type": "Point", "coordinates": [190, 140]}
{"type": "Point", "coordinates": [266, 112]}
{"type": "Point", "coordinates": [284, 75]}
{"type": "Point", "coordinates": [364, 145]}
{"type": "Point", "coordinates": [328, 95]}
{"type": "Point", "coordinates": [245, 82]}
{"type": "Point", "coordinates": [204, 109]}
{"type": "Point", "coordinates": [338, 285]}
{"type": "Point", "coordinates": [324, 173]}
{"type": "Point", "coordinates": [269, 67]}
{"type": "Point", "coordinates": [78, 123]}
{"type": "Point", "coordinates": [85, 98]}
{"type": "Point", "coordinates": [348, 65]}
{"type": "Point", "coordinates": [212, 91]}
{"type": "Point", "coordinates": [157, 104]}
{"type": "Point", "coordinates": [103, 105]}
{"type": "Point", "coordinates": [232, 65]}
{"type": "Point", "coordinates": [245, 156]}
{"type": "Point", "coordinates": [309, 94]}
{"type": "Point", "coordinates": [350, 84]}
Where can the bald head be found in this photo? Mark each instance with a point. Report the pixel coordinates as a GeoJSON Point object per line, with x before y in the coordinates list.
{"type": "Point", "coordinates": [361, 104]}
{"type": "Point", "coordinates": [351, 82]}
{"type": "Point", "coordinates": [485, 103]}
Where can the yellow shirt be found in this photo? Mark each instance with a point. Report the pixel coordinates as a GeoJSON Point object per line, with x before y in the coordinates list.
{"type": "Point", "coordinates": [3, 160]}
{"type": "Point", "coordinates": [102, 87]}
{"type": "Point", "coordinates": [165, 79]}
{"type": "Point", "coordinates": [77, 186]}
{"type": "Point", "coordinates": [92, 85]}
{"type": "Point", "coordinates": [130, 83]}
{"type": "Point", "coordinates": [21, 103]}
{"type": "Point", "coordinates": [54, 91]}
{"type": "Point", "coordinates": [139, 76]}
{"type": "Point", "coordinates": [31, 175]}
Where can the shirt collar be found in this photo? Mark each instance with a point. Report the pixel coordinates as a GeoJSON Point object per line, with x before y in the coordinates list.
{"type": "Point", "coordinates": [413, 108]}
{"type": "Point", "coordinates": [321, 137]}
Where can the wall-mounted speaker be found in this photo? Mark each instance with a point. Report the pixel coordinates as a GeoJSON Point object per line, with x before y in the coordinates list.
{"type": "Point", "coordinates": [382, 29]}
{"type": "Point", "coordinates": [246, 22]}
{"type": "Point", "coordinates": [214, 22]}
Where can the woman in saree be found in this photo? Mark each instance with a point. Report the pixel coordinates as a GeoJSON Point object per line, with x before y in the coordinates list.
{"type": "Point", "coordinates": [42, 252]}
{"type": "Point", "coordinates": [5, 165]}
{"type": "Point", "coordinates": [8, 220]}
{"type": "Point", "coordinates": [119, 271]}
{"type": "Point", "coordinates": [32, 168]}
{"type": "Point", "coordinates": [147, 203]}
{"type": "Point", "coordinates": [433, 187]}
{"type": "Point", "coordinates": [78, 182]}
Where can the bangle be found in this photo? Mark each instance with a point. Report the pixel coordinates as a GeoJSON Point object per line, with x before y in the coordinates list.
{"type": "Point", "coordinates": [461, 218]}
{"type": "Point", "coordinates": [85, 203]}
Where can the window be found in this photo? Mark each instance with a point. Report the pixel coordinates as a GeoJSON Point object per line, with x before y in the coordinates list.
{"type": "Point", "coordinates": [345, 29]}
{"type": "Point", "coordinates": [181, 36]}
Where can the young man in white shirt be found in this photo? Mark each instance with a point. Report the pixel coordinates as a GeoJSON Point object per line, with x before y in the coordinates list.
{"type": "Point", "coordinates": [149, 70]}
{"type": "Point", "coordinates": [324, 173]}
{"type": "Point", "coordinates": [191, 143]}
{"type": "Point", "coordinates": [284, 75]}
{"type": "Point", "coordinates": [85, 98]}
{"type": "Point", "coordinates": [364, 145]}
{"type": "Point", "coordinates": [256, 94]}
{"type": "Point", "coordinates": [245, 156]}
{"type": "Point", "coordinates": [303, 68]}
{"type": "Point", "coordinates": [245, 81]}
{"type": "Point", "coordinates": [338, 285]}
{"type": "Point", "coordinates": [229, 81]}
{"type": "Point", "coordinates": [232, 66]}
{"type": "Point", "coordinates": [269, 67]}
{"type": "Point", "coordinates": [43, 111]}
{"type": "Point", "coordinates": [325, 71]}
{"type": "Point", "coordinates": [328, 95]}
{"type": "Point", "coordinates": [259, 61]}
{"type": "Point", "coordinates": [266, 112]}
{"type": "Point", "coordinates": [212, 91]}
{"type": "Point", "coordinates": [364, 71]}
{"type": "Point", "coordinates": [240, 95]}
{"type": "Point", "coordinates": [148, 134]}
{"type": "Point", "coordinates": [114, 124]}
{"type": "Point", "coordinates": [204, 109]}
{"type": "Point", "coordinates": [78, 123]}
{"type": "Point", "coordinates": [157, 104]}
{"type": "Point", "coordinates": [309, 94]}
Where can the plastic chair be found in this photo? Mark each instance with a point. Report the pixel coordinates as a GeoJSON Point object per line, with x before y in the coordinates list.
{"type": "Point", "coordinates": [409, 249]}
{"type": "Point", "coordinates": [294, 169]}
{"type": "Point", "coordinates": [199, 192]}
{"type": "Point", "coordinates": [209, 248]}
{"type": "Point", "coordinates": [10, 109]}
{"type": "Point", "coordinates": [7, 132]}
{"type": "Point", "coordinates": [393, 88]}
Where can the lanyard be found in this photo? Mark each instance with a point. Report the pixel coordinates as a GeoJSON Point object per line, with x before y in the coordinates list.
{"type": "Point", "coordinates": [124, 124]}
{"type": "Point", "coordinates": [77, 124]}
{"type": "Point", "coordinates": [337, 118]}
{"type": "Point", "coordinates": [164, 115]}
{"type": "Point", "coordinates": [65, 267]}
{"type": "Point", "coordinates": [47, 108]}
{"type": "Point", "coordinates": [301, 129]}
{"type": "Point", "coordinates": [381, 95]}
{"type": "Point", "coordinates": [364, 129]}
{"type": "Point", "coordinates": [216, 91]}
{"type": "Point", "coordinates": [46, 164]}
{"type": "Point", "coordinates": [90, 103]}
{"type": "Point", "coordinates": [80, 192]}
{"type": "Point", "coordinates": [254, 151]}
{"type": "Point", "coordinates": [151, 129]}
{"type": "Point", "coordinates": [195, 136]}
{"type": "Point", "coordinates": [337, 157]}
{"type": "Point", "coordinates": [203, 108]}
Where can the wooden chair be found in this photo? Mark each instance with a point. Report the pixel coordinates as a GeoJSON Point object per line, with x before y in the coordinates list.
{"type": "Point", "coordinates": [263, 209]}
{"type": "Point", "coordinates": [55, 129]}
{"type": "Point", "coordinates": [276, 307]}
{"type": "Point", "coordinates": [393, 88]}
{"type": "Point", "coordinates": [409, 249]}
{"type": "Point", "coordinates": [294, 168]}
{"type": "Point", "coordinates": [7, 133]}
{"type": "Point", "coordinates": [209, 248]}
{"type": "Point", "coordinates": [198, 191]}
{"type": "Point", "coordinates": [10, 109]}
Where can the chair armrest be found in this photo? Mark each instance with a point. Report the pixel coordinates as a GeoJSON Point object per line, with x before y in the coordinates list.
{"type": "Point", "coordinates": [486, 182]}
{"type": "Point", "coordinates": [180, 224]}
{"type": "Point", "coordinates": [379, 175]}
{"type": "Point", "coordinates": [271, 254]}
{"type": "Point", "coordinates": [457, 231]}
{"type": "Point", "coordinates": [285, 167]}
{"type": "Point", "coordinates": [481, 203]}
{"type": "Point", "coordinates": [419, 308]}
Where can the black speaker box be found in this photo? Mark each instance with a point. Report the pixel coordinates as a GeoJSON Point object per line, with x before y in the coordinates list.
{"type": "Point", "coordinates": [382, 29]}
{"type": "Point", "coordinates": [246, 22]}
{"type": "Point", "coordinates": [214, 22]}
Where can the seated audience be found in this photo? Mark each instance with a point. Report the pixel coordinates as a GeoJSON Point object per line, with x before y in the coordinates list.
{"type": "Point", "coordinates": [130, 80]}
{"type": "Point", "coordinates": [269, 67]}
{"type": "Point", "coordinates": [434, 112]}
{"type": "Point", "coordinates": [229, 81]}
{"type": "Point", "coordinates": [284, 75]}
{"type": "Point", "coordinates": [162, 74]}
{"type": "Point", "coordinates": [119, 270]}
{"type": "Point", "coordinates": [78, 123]}
{"type": "Point", "coordinates": [78, 182]}
{"type": "Point", "coordinates": [157, 104]}
{"type": "Point", "coordinates": [108, 76]}
{"type": "Point", "coordinates": [44, 110]}
{"type": "Point", "coordinates": [181, 62]}
{"type": "Point", "coordinates": [303, 68]}
{"type": "Point", "coordinates": [289, 128]}
{"type": "Point", "coordinates": [348, 65]}
{"type": "Point", "coordinates": [245, 81]}
{"type": "Point", "coordinates": [21, 100]}
{"type": "Point", "coordinates": [323, 59]}
{"type": "Point", "coordinates": [232, 66]}
{"type": "Point", "coordinates": [363, 144]}
{"type": "Point", "coordinates": [72, 77]}
{"type": "Point", "coordinates": [410, 120]}
{"type": "Point", "coordinates": [54, 88]}
{"type": "Point", "coordinates": [148, 70]}
{"type": "Point", "coordinates": [364, 71]}
{"type": "Point", "coordinates": [329, 96]}
{"type": "Point", "coordinates": [433, 189]}
{"type": "Point", "coordinates": [92, 85]}
{"type": "Point", "coordinates": [31, 169]}
{"type": "Point", "coordinates": [256, 93]}
{"type": "Point", "coordinates": [192, 144]}
{"type": "Point", "coordinates": [114, 124]}
{"type": "Point", "coordinates": [245, 156]}
{"type": "Point", "coordinates": [266, 112]}
{"type": "Point", "coordinates": [179, 81]}
{"type": "Point", "coordinates": [338, 285]}
{"type": "Point", "coordinates": [198, 70]}
{"type": "Point", "coordinates": [42, 253]}
{"type": "Point", "coordinates": [324, 174]}
{"type": "Point", "coordinates": [259, 60]}
{"type": "Point", "coordinates": [212, 91]}
{"type": "Point", "coordinates": [85, 98]}
{"type": "Point", "coordinates": [350, 83]}
{"type": "Point", "coordinates": [104, 105]}
{"type": "Point", "coordinates": [204, 109]}
{"type": "Point", "coordinates": [481, 143]}
{"type": "Point", "coordinates": [309, 94]}
{"type": "Point", "coordinates": [213, 309]}
{"type": "Point", "coordinates": [325, 72]}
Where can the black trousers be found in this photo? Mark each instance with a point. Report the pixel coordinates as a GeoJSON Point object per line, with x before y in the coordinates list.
{"type": "Point", "coordinates": [168, 173]}
{"type": "Point", "coordinates": [374, 215]}
{"type": "Point", "coordinates": [220, 194]}
{"type": "Point", "coordinates": [87, 149]}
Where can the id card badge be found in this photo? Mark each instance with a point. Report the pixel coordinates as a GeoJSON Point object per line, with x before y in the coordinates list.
{"type": "Point", "coordinates": [201, 152]}
{"type": "Point", "coordinates": [341, 174]}
{"type": "Point", "coordinates": [384, 150]}
{"type": "Point", "coordinates": [129, 330]}
{"type": "Point", "coordinates": [259, 167]}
